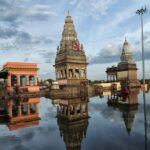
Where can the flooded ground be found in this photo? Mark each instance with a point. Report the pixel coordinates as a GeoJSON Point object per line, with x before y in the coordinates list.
{"type": "Point", "coordinates": [87, 124]}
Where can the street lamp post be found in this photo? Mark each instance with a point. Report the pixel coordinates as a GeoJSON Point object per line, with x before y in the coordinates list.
{"type": "Point", "coordinates": [141, 12]}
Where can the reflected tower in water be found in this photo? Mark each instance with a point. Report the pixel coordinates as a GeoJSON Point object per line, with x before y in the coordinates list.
{"type": "Point", "coordinates": [127, 104]}
{"type": "Point", "coordinates": [128, 115]}
{"type": "Point", "coordinates": [72, 117]}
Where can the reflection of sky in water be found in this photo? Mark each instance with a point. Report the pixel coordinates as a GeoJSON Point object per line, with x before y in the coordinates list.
{"type": "Point", "coordinates": [106, 129]}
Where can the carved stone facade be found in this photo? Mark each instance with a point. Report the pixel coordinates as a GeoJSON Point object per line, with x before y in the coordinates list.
{"type": "Point", "coordinates": [126, 71]}
{"type": "Point", "coordinates": [70, 63]}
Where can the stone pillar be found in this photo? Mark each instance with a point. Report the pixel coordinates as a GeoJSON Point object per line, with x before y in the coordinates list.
{"type": "Point", "coordinates": [113, 77]}
{"type": "Point", "coordinates": [73, 73]}
{"type": "Point", "coordinates": [9, 80]}
{"type": "Point", "coordinates": [36, 108]}
{"type": "Point", "coordinates": [18, 80]}
{"type": "Point", "coordinates": [19, 111]}
{"type": "Point", "coordinates": [67, 73]}
{"type": "Point", "coordinates": [27, 80]}
{"type": "Point", "coordinates": [35, 80]}
{"type": "Point", "coordinates": [63, 73]}
{"type": "Point", "coordinates": [75, 111]}
{"type": "Point", "coordinates": [10, 111]}
{"type": "Point", "coordinates": [28, 109]}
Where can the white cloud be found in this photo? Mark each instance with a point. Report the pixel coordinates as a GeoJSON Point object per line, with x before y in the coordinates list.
{"type": "Point", "coordinates": [92, 8]}
{"type": "Point", "coordinates": [101, 25]}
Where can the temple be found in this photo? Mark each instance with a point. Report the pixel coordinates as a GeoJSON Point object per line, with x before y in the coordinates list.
{"type": "Point", "coordinates": [126, 70]}
{"type": "Point", "coordinates": [127, 100]}
{"type": "Point", "coordinates": [70, 63]}
{"type": "Point", "coordinates": [22, 75]}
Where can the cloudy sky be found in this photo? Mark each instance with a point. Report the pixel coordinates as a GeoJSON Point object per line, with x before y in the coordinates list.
{"type": "Point", "coordinates": [30, 31]}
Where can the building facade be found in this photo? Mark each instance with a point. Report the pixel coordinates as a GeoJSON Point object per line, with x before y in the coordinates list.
{"type": "Point", "coordinates": [126, 70]}
{"type": "Point", "coordinates": [22, 75]}
{"type": "Point", "coordinates": [70, 63]}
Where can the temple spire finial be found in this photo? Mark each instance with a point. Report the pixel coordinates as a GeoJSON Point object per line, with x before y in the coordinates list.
{"type": "Point", "coordinates": [68, 12]}
{"type": "Point", "coordinates": [125, 40]}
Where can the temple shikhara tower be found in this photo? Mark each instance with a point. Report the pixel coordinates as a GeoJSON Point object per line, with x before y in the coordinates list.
{"type": "Point", "coordinates": [70, 63]}
{"type": "Point", "coordinates": [126, 70]}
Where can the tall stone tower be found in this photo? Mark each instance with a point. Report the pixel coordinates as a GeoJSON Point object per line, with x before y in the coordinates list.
{"type": "Point", "coordinates": [127, 70]}
{"type": "Point", "coordinates": [70, 63]}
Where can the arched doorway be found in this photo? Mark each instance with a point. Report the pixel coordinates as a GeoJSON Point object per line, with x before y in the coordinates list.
{"type": "Point", "coordinates": [13, 80]}
{"type": "Point", "coordinates": [23, 80]}
{"type": "Point", "coordinates": [31, 80]}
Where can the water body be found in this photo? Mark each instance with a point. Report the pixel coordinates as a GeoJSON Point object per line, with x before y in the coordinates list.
{"type": "Point", "coordinates": [106, 127]}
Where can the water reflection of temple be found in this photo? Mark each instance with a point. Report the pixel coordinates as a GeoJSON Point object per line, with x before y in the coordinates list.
{"type": "Point", "coordinates": [128, 106]}
{"type": "Point", "coordinates": [20, 113]}
{"type": "Point", "coordinates": [118, 98]}
{"type": "Point", "coordinates": [72, 117]}
{"type": "Point", "coordinates": [128, 115]}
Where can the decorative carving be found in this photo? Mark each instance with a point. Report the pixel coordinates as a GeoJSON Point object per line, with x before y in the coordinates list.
{"type": "Point", "coordinates": [70, 55]}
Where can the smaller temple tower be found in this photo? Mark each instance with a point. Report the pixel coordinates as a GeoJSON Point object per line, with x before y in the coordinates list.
{"type": "Point", "coordinates": [70, 63]}
{"type": "Point", "coordinates": [126, 69]}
